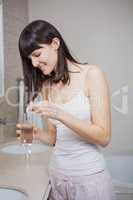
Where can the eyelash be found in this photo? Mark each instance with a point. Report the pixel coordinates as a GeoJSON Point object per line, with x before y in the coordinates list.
{"type": "Point", "coordinates": [37, 55]}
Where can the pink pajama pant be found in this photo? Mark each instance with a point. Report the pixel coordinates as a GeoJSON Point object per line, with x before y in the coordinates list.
{"type": "Point", "coordinates": [91, 187]}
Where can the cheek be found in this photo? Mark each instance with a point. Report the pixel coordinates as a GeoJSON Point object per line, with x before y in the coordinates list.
{"type": "Point", "coordinates": [52, 57]}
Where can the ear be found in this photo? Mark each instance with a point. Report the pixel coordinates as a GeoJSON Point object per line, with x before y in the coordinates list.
{"type": "Point", "coordinates": [55, 43]}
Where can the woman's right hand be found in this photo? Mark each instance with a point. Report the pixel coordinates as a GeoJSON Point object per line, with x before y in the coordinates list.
{"type": "Point", "coordinates": [37, 133]}
{"type": "Point", "coordinates": [18, 133]}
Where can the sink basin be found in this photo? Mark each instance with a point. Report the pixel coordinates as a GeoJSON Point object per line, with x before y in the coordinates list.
{"type": "Point", "coordinates": [12, 194]}
{"type": "Point", "coordinates": [20, 149]}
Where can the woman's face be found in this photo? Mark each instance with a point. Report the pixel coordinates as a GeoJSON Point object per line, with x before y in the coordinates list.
{"type": "Point", "coordinates": [45, 58]}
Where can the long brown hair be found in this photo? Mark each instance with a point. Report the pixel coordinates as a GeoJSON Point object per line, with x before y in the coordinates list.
{"type": "Point", "coordinates": [42, 32]}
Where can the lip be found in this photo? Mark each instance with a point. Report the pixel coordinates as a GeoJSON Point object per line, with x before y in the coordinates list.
{"type": "Point", "coordinates": [42, 68]}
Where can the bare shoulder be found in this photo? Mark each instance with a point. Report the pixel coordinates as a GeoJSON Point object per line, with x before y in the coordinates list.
{"type": "Point", "coordinates": [94, 78]}
{"type": "Point", "coordinates": [95, 72]}
{"type": "Point", "coordinates": [90, 69]}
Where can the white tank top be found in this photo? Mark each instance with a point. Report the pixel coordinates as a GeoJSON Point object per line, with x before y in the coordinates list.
{"type": "Point", "coordinates": [72, 155]}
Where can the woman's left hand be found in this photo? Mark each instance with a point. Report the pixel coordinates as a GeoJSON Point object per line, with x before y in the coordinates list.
{"type": "Point", "coordinates": [47, 109]}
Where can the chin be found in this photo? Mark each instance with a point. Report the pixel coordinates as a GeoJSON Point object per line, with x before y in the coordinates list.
{"type": "Point", "coordinates": [46, 73]}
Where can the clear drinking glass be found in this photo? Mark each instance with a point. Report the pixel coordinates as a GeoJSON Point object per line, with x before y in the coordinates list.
{"type": "Point", "coordinates": [27, 129]}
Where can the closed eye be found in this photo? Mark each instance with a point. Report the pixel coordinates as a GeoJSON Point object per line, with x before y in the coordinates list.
{"type": "Point", "coordinates": [34, 56]}
{"type": "Point", "coordinates": [37, 55]}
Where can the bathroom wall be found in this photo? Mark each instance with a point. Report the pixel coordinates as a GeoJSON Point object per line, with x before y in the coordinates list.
{"type": "Point", "coordinates": [1, 52]}
{"type": "Point", "coordinates": [15, 18]}
{"type": "Point", "coordinates": [99, 32]}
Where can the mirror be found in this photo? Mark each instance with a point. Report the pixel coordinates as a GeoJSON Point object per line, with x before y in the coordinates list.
{"type": "Point", "coordinates": [1, 52]}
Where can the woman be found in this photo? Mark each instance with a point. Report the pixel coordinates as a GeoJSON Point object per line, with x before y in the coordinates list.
{"type": "Point", "coordinates": [79, 124]}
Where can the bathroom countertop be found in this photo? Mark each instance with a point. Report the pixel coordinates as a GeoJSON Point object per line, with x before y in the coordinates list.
{"type": "Point", "coordinates": [30, 177]}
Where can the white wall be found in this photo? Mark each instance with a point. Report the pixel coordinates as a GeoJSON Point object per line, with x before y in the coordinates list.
{"type": "Point", "coordinates": [99, 32]}
{"type": "Point", "coordinates": [1, 52]}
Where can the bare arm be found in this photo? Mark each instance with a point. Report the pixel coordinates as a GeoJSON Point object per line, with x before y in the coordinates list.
{"type": "Point", "coordinates": [99, 131]}
{"type": "Point", "coordinates": [52, 132]}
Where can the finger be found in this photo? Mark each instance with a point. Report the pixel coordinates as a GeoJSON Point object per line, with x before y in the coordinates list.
{"type": "Point", "coordinates": [37, 110]}
{"type": "Point", "coordinates": [18, 132]}
{"type": "Point", "coordinates": [34, 108]}
{"type": "Point", "coordinates": [42, 104]}
{"type": "Point", "coordinates": [18, 126]}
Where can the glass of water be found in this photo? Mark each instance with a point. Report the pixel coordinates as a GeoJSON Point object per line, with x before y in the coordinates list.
{"type": "Point", "coordinates": [26, 127]}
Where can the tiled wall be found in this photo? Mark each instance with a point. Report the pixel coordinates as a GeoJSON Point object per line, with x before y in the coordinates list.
{"type": "Point", "coordinates": [15, 18]}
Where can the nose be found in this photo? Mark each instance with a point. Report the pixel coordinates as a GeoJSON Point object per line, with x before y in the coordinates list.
{"type": "Point", "coordinates": [35, 62]}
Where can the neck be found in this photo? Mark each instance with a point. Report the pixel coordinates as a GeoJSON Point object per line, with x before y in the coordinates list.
{"type": "Point", "coordinates": [73, 67]}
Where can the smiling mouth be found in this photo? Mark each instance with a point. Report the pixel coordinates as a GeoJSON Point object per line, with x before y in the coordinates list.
{"type": "Point", "coordinates": [42, 67]}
